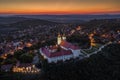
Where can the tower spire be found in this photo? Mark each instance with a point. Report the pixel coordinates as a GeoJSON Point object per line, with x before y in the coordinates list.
{"type": "Point", "coordinates": [63, 37]}
{"type": "Point", "coordinates": [59, 39]}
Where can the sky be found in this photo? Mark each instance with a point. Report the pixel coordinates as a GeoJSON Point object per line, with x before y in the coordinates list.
{"type": "Point", "coordinates": [59, 6]}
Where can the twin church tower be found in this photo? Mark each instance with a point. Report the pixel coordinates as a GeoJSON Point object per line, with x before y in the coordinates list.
{"type": "Point", "coordinates": [60, 38]}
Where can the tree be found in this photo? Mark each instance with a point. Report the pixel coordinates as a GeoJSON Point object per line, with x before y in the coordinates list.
{"type": "Point", "coordinates": [1, 59]}
{"type": "Point", "coordinates": [104, 65]}
{"type": "Point", "coordinates": [10, 61]}
{"type": "Point", "coordinates": [26, 58]}
{"type": "Point", "coordinates": [112, 52]}
{"type": "Point", "coordinates": [81, 40]}
{"type": "Point", "coordinates": [18, 53]}
{"type": "Point", "coordinates": [9, 56]}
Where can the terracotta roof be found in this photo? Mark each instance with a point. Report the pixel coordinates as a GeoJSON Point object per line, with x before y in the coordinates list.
{"type": "Point", "coordinates": [57, 53]}
{"type": "Point", "coordinates": [53, 47]}
{"type": "Point", "coordinates": [68, 45]}
{"type": "Point", "coordinates": [45, 51]}
{"type": "Point", "coordinates": [61, 53]}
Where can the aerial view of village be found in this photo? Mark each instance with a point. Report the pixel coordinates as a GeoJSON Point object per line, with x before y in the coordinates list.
{"type": "Point", "coordinates": [59, 40]}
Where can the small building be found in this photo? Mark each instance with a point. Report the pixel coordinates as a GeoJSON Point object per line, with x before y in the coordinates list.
{"type": "Point", "coordinates": [25, 68]}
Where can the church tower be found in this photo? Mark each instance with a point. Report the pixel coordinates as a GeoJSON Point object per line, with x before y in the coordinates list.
{"type": "Point", "coordinates": [64, 37]}
{"type": "Point", "coordinates": [59, 39]}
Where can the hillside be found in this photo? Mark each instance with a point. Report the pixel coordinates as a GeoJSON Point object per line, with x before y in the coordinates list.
{"type": "Point", "coordinates": [71, 17]}
{"type": "Point", "coordinates": [34, 22]}
{"type": "Point", "coordinates": [106, 24]}
{"type": "Point", "coordinates": [24, 24]}
{"type": "Point", "coordinates": [9, 20]}
{"type": "Point", "coordinates": [102, 66]}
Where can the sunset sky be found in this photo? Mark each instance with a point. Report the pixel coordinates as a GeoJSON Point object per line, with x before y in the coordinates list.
{"type": "Point", "coordinates": [59, 6]}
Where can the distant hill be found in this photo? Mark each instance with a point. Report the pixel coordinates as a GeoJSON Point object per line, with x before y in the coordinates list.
{"type": "Point", "coordinates": [32, 23]}
{"type": "Point", "coordinates": [22, 24]}
{"type": "Point", "coordinates": [71, 18]}
{"type": "Point", "coordinates": [107, 24]}
{"type": "Point", "coordinates": [8, 20]}
{"type": "Point", "coordinates": [57, 18]}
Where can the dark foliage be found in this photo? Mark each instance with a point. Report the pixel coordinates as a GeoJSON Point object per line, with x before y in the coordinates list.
{"type": "Point", "coordinates": [103, 66]}
{"type": "Point", "coordinates": [18, 53]}
{"type": "Point", "coordinates": [81, 40]}
{"type": "Point", "coordinates": [26, 58]}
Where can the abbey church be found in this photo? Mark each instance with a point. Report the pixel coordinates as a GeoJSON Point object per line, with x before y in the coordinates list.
{"type": "Point", "coordinates": [62, 51]}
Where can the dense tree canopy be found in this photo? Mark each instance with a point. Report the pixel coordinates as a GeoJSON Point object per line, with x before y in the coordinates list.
{"type": "Point", "coordinates": [10, 61]}
{"type": "Point", "coordinates": [102, 66]}
{"type": "Point", "coordinates": [26, 58]}
{"type": "Point", "coordinates": [18, 53]}
{"type": "Point", "coordinates": [81, 40]}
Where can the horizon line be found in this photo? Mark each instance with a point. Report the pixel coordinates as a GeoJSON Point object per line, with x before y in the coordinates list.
{"type": "Point", "coordinates": [61, 14]}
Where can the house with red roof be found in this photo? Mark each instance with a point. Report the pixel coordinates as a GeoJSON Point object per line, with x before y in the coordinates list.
{"type": "Point", "coordinates": [62, 51]}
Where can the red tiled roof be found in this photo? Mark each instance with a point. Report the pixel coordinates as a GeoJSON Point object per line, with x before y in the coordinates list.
{"type": "Point", "coordinates": [68, 45]}
{"type": "Point", "coordinates": [53, 47]}
{"type": "Point", "coordinates": [55, 54]}
{"type": "Point", "coordinates": [61, 53]}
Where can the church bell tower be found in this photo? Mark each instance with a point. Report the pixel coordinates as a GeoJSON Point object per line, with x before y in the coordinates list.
{"type": "Point", "coordinates": [59, 39]}
{"type": "Point", "coordinates": [64, 37]}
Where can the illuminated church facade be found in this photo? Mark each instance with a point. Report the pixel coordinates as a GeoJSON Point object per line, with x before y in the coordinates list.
{"type": "Point", "coordinates": [62, 51]}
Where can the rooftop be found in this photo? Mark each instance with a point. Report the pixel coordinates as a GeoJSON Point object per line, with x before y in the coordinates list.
{"type": "Point", "coordinates": [57, 53]}
{"type": "Point", "coordinates": [69, 45]}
